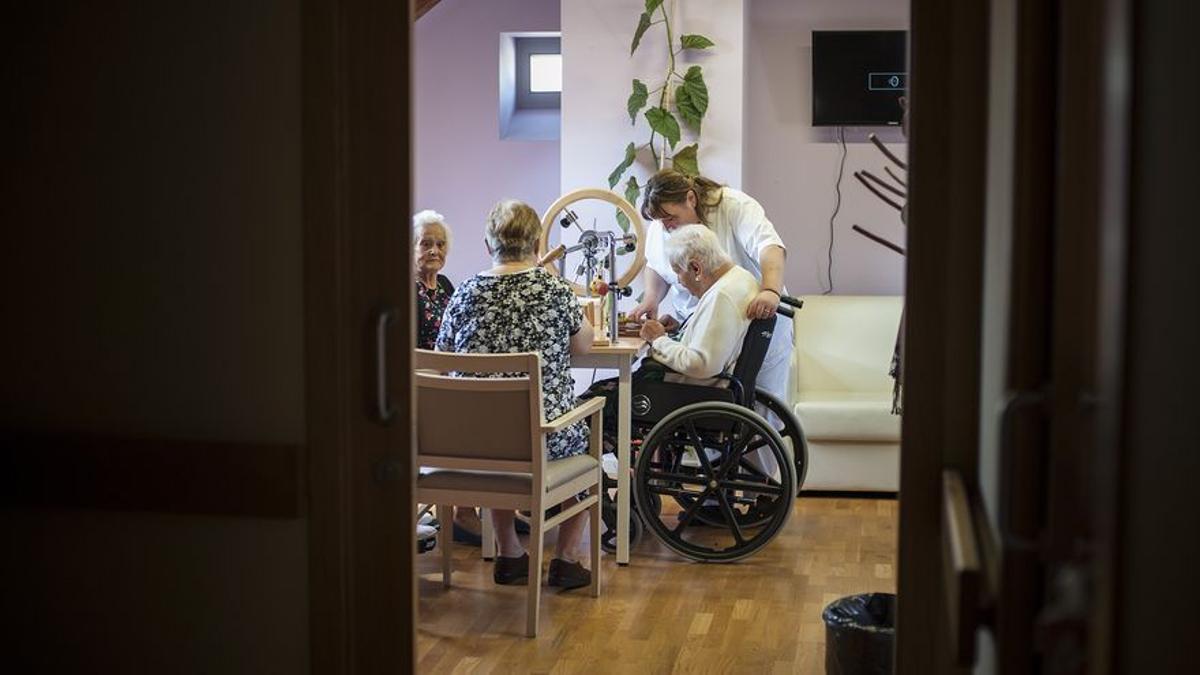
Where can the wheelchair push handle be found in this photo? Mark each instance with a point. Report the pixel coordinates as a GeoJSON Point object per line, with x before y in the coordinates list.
{"type": "Point", "coordinates": [792, 302]}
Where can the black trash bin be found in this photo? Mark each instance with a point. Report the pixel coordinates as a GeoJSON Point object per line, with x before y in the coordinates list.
{"type": "Point", "coordinates": [859, 632]}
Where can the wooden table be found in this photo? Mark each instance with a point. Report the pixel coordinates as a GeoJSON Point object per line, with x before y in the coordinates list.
{"type": "Point", "coordinates": [619, 357]}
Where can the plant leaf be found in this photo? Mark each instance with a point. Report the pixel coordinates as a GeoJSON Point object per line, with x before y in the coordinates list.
{"type": "Point", "coordinates": [615, 176]}
{"type": "Point", "coordinates": [652, 5]}
{"type": "Point", "coordinates": [695, 42]}
{"type": "Point", "coordinates": [664, 123]}
{"type": "Point", "coordinates": [632, 191]}
{"type": "Point", "coordinates": [643, 24]}
{"type": "Point", "coordinates": [637, 100]}
{"type": "Point", "coordinates": [631, 194]}
{"type": "Point", "coordinates": [697, 89]}
{"type": "Point", "coordinates": [687, 109]}
{"type": "Point", "coordinates": [685, 162]}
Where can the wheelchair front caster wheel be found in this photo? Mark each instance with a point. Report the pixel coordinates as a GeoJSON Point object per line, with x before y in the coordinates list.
{"type": "Point", "coordinates": [608, 538]}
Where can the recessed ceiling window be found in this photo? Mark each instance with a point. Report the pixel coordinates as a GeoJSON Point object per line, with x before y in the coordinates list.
{"type": "Point", "coordinates": [545, 73]}
{"type": "Point", "coordinates": [539, 72]}
{"type": "Point", "coordinates": [531, 82]}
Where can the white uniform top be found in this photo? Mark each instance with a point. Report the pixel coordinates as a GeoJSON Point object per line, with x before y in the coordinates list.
{"type": "Point", "coordinates": [713, 335]}
{"type": "Point", "coordinates": [741, 226]}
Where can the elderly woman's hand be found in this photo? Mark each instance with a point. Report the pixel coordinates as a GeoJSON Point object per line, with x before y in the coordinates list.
{"type": "Point", "coordinates": [652, 330]}
{"type": "Point", "coordinates": [763, 306]}
{"type": "Point", "coordinates": [647, 309]}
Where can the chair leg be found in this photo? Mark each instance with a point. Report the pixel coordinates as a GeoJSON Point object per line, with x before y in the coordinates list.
{"type": "Point", "coordinates": [537, 543]}
{"type": "Point", "coordinates": [594, 540]}
{"type": "Point", "coordinates": [488, 549]}
{"type": "Point", "coordinates": [445, 537]}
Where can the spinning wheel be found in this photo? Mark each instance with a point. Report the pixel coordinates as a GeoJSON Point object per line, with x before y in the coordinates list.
{"type": "Point", "coordinates": [589, 257]}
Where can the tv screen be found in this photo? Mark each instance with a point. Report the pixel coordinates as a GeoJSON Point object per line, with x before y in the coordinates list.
{"type": "Point", "coordinates": [858, 77]}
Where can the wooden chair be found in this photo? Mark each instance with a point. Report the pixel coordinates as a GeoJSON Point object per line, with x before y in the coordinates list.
{"type": "Point", "coordinates": [481, 441]}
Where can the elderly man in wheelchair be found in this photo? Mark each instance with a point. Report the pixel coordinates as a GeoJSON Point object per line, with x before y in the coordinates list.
{"type": "Point", "coordinates": [718, 461]}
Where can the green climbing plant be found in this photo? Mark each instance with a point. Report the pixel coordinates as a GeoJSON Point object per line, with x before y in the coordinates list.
{"type": "Point", "coordinates": [680, 96]}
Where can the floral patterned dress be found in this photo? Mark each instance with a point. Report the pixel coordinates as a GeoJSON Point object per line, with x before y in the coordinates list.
{"type": "Point", "coordinates": [529, 311]}
{"type": "Point", "coordinates": [431, 304]}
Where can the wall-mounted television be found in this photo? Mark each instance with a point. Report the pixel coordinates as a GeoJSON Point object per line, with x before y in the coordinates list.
{"type": "Point", "coordinates": [858, 77]}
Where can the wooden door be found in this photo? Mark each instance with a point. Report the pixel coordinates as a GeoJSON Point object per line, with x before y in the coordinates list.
{"type": "Point", "coordinates": [357, 193]}
{"type": "Point", "coordinates": [204, 212]}
{"type": "Point", "coordinates": [1034, 445]}
{"type": "Point", "coordinates": [1051, 341]}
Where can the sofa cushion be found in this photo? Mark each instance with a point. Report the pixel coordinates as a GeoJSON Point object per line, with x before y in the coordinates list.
{"type": "Point", "coordinates": [844, 343]}
{"type": "Point", "coordinates": [848, 416]}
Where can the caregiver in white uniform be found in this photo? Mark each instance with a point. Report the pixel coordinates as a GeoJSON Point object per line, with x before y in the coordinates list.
{"type": "Point", "coordinates": [672, 200]}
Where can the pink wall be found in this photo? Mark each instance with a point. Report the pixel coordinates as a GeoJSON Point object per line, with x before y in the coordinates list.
{"type": "Point", "coordinates": [462, 167]}
{"type": "Point", "coordinates": [791, 166]}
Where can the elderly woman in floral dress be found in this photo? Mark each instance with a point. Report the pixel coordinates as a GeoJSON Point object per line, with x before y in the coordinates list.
{"type": "Point", "coordinates": [517, 306]}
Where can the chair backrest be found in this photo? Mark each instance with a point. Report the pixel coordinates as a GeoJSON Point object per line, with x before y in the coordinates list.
{"type": "Point", "coordinates": [845, 343]}
{"type": "Point", "coordinates": [754, 350]}
{"type": "Point", "coordinates": [465, 411]}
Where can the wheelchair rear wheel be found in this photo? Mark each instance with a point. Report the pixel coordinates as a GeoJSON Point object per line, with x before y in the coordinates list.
{"type": "Point", "coordinates": [697, 455]}
{"type": "Point", "coordinates": [791, 432]}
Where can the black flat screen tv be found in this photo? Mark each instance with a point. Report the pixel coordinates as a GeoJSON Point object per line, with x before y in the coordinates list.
{"type": "Point", "coordinates": [858, 77]}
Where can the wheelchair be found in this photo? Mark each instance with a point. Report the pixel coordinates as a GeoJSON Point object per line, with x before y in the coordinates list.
{"type": "Point", "coordinates": [714, 480]}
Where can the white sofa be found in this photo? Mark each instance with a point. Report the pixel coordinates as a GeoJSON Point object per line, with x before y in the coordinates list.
{"type": "Point", "coordinates": [841, 391]}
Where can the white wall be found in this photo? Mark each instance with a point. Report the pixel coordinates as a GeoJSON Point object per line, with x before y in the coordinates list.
{"type": "Point", "coordinates": [791, 166]}
{"type": "Point", "coordinates": [461, 166]}
{"type": "Point", "coordinates": [597, 76]}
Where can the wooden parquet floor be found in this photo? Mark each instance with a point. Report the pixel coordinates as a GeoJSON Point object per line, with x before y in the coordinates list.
{"type": "Point", "coordinates": [663, 614]}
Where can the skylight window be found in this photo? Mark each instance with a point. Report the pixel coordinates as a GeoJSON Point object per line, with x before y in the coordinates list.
{"type": "Point", "coordinates": [531, 80]}
{"type": "Point", "coordinates": [545, 73]}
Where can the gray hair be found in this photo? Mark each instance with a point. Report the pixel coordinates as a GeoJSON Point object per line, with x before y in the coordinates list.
{"type": "Point", "coordinates": [512, 230]}
{"type": "Point", "coordinates": [429, 217]}
{"type": "Point", "coordinates": [695, 242]}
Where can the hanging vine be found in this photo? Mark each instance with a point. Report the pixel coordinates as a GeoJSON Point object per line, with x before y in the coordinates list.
{"type": "Point", "coordinates": [680, 96]}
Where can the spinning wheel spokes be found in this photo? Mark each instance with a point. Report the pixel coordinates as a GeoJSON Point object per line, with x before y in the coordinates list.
{"type": "Point", "coordinates": [559, 211]}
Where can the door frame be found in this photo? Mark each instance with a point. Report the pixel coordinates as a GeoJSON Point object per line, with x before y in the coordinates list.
{"type": "Point", "coordinates": [948, 56]}
{"type": "Point", "coordinates": [1071, 213]}
{"type": "Point", "coordinates": [357, 196]}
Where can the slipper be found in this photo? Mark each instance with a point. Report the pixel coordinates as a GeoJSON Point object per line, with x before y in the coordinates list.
{"type": "Point", "coordinates": [567, 575]}
{"type": "Point", "coordinates": [426, 538]}
{"type": "Point", "coordinates": [511, 571]}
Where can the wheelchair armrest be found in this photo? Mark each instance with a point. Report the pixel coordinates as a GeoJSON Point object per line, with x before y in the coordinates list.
{"type": "Point", "coordinates": [650, 364]}
{"type": "Point", "coordinates": [735, 385]}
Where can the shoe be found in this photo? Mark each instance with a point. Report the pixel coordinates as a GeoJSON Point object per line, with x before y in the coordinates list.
{"type": "Point", "coordinates": [428, 519]}
{"type": "Point", "coordinates": [522, 526]}
{"type": "Point", "coordinates": [567, 575]}
{"type": "Point", "coordinates": [608, 461]}
{"type": "Point", "coordinates": [511, 571]}
{"type": "Point", "coordinates": [426, 538]}
{"type": "Point", "coordinates": [464, 536]}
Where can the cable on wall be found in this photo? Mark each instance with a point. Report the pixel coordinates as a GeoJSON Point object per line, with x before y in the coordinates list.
{"type": "Point", "coordinates": [837, 206]}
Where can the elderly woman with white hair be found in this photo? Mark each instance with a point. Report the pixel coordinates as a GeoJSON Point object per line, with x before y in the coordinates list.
{"type": "Point", "coordinates": [711, 338]}
{"type": "Point", "coordinates": [431, 244]}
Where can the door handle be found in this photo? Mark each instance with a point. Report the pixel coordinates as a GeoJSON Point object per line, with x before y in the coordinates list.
{"type": "Point", "coordinates": [1016, 404]}
{"type": "Point", "coordinates": [384, 410]}
{"type": "Point", "coordinates": [963, 567]}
